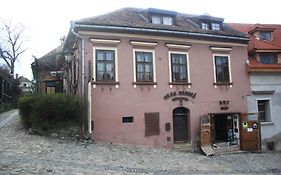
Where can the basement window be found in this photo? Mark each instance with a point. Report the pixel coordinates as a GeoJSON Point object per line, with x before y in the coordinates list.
{"type": "Point", "coordinates": [129, 119]}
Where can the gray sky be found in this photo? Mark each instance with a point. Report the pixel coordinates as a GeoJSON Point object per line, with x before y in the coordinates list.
{"type": "Point", "coordinates": [48, 20]}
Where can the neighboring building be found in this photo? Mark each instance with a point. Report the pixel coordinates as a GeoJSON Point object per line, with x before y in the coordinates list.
{"type": "Point", "coordinates": [47, 72]}
{"type": "Point", "coordinates": [25, 85]}
{"type": "Point", "coordinates": [5, 86]}
{"type": "Point", "coordinates": [264, 67]}
{"type": "Point", "coordinates": [148, 75]}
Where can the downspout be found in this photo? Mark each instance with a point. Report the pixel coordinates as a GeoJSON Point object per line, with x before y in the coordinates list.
{"type": "Point", "coordinates": [83, 65]}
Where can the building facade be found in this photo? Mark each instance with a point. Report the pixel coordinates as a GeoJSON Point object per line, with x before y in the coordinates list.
{"type": "Point", "coordinates": [47, 72]}
{"type": "Point", "coordinates": [148, 75]}
{"type": "Point", "coordinates": [264, 67]}
{"type": "Point", "coordinates": [25, 85]}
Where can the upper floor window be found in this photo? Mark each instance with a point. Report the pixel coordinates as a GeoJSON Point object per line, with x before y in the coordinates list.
{"type": "Point", "coordinates": [105, 65]}
{"type": "Point", "coordinates": [264, 110]}
{"type": "Point", "coordinates": [144, 66]}
{"type": "Point", "coordinates": [179, 67]}
{"type": "Point", "coordinates": [222, 69]}
{"type": "Point", "coordinates": [265, 35]}
{"type": "Point", "coordinates": [215, 26]}
{"type": "Point", "coordinates": [268, 58]}
{"type": "Point", "coordinates": [158, 19]}
{"type": "Point", "coordinates": [205, 26]}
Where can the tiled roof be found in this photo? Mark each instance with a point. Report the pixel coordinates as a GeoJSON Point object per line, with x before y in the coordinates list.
{"type": "Point", "coordinates": [256, 45]}
{"type": "Point", "coordinates": [138, 18]}
{"type": "Point", "coordinates": [255, 66]}
{"type": "Point", "coordinates": [53, 59]}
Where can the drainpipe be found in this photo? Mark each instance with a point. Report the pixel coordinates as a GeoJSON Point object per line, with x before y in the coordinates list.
{"type": "Point", "coordinates": [83, 65]}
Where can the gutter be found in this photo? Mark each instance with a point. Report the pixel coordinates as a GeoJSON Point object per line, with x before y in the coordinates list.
{"type": "Point", "coordinates": [162, 31]}
{"type": "Point", "coordinates": [73, 25]}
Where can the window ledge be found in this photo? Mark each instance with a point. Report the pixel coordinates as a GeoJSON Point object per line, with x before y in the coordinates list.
{"type": "Point", "coordinates": [106, 82]}
{"type": "Point", "coordinates": [179, 83]}
{"type": "Point", "coordinates": [144, 83]}
{"type": "Point", "coordinates": [222, 83]}
{"type": "Point", "coordinates": [266, 123]}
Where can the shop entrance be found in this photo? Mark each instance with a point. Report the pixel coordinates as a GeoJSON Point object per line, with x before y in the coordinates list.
{"type": "Point", "coordinates": [225, 128]}
{"type": "Point", "coordinates": [180, 124]}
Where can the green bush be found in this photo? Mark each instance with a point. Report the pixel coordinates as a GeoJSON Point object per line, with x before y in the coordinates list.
{"type": "Point", "coordinates": [50, 111]}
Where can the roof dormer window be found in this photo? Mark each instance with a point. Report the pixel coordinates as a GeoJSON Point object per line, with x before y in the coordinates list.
{"type": "Point", "coordinates": [156, 19]}
{"type": "Point", "coordinates": [265, 35]}
{"type": "Point", "coordinates": [205, 26]}
{"type": "Point", "coordinates": [215, 26]}
{"type": "Point", "coordinates": [165, 20]}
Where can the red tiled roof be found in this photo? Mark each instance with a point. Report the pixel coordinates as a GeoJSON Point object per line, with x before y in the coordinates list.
{"type": "Point", "coordinates": [256, 45]}
{"type": "Point", "coordinates": [255, 66]}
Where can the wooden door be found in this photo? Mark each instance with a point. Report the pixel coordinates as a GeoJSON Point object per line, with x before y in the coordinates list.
{"type": "Point", "coordinates": [250, 134]}
{"type": "Point", "coordinates": [180, 124]}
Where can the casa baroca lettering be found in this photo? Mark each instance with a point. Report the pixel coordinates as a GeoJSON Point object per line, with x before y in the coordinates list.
{"type": "Point", "coordinates": [179, 93]}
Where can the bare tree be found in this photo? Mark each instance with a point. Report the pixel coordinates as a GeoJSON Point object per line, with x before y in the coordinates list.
{"type": "Point", "coordinates": [11, 40]}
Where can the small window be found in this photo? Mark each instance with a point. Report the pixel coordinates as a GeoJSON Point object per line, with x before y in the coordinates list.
{"type": "Point", "coordinates": [216, 26]}
{"type": "Point", "coordinates": [268, 58]}
{"type": "Point", "coordinates": [156, 19]}
{"type": "Point", "coordinates": [264, 110]}
{"type": "Point", "coordinates": [167, 20]}
{"type": "Point", "coordinates": [205, 26]}
{"type": "Point", "coordinates": [24, 85]}
{"type": "Point", "coordinates": [222, 69]}
{"type": "Point", "coordinates": [128, 119]}
{"type": "Point", "coordinates": [264, 35]}
{"type": "Point", "coordinates": [144, 66]}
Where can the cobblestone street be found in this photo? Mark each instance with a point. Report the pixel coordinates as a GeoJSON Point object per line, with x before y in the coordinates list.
{"type": "Point", "coordinates": [22, 153]}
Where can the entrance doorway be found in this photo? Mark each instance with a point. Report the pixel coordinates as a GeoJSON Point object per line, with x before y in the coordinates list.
{"type": "Point", "coordinates": [225, 128]}
{"type": "Point", "coordinates": [180, 124]}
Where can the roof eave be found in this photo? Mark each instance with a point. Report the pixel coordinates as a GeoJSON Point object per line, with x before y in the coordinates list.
{"type": "Point", "coordinates": [161, 31]}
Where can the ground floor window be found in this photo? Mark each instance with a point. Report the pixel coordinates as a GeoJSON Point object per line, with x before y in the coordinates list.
{"type": "Point", "coordinates": [264, 110]}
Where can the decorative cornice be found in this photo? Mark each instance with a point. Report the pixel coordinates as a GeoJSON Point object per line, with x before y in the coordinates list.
{"type": "Point", "coordinates": [105, 41]}
{"type": "Point", "coordinates": [178, 46]}
{"type": "Point", "coordinates": [140, 43]}
{"type": "Point", "coordinates": [221, 49]}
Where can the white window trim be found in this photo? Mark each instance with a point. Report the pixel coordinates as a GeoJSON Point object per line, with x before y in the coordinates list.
{"type": "Point", "coordinates": [178, 46]}
{"type": "Point", "coordinates": [153, 62]}
{"type": "Point", "coordinates": [139, 43]}
{"type": "Point", "coordinates": [270, 114]}
{"type": "Point", "coordinates": [229, 67]}
{"type": "Point", "coordinates": [225, 49]}
{"type": "Point", "coordinates": [187, 66]}
{"type": "Point", "coordinates": [105, 41]}
{"type": "Point", "coordinates": [115, 62]}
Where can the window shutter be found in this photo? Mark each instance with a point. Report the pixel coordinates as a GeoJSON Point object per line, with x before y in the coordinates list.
{"type": "Point", "coordinates": [152, 124]}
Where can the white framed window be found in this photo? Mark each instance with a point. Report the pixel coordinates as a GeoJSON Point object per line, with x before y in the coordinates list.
{"type": "Point", "coordinates": [215, 26]}
{"type": "Point", "coordinates": [167, 20]}
{"type": "Point", "coordinates": [205, 26]}
{"type": "Point", "coordinates": [222, 69]}
{"type": "Point", "coordinates": [264, 110]}
{"type": "Point", "coordinates": [179, 71]}
{"type": "Point", "coordinates": [156, 19]}
{"type": "Point", "coordinates": [105, 65]}
{"type": "Point", "coordinates": [144, 66]}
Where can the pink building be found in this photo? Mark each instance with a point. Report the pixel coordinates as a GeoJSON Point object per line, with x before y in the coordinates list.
{"type": "Point", "coordinates": [148, 75]}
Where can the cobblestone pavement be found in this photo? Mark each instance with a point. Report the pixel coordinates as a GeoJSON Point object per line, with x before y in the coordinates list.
{"type": "Point", "coordinates": [22, 153]}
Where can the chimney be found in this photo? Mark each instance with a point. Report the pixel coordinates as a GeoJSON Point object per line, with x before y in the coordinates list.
{"type": "Point", "coordinates": [17, 76]}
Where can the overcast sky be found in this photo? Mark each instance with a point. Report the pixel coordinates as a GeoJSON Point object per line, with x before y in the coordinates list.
{"type": "Point", "coordinates": [48, 20]}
